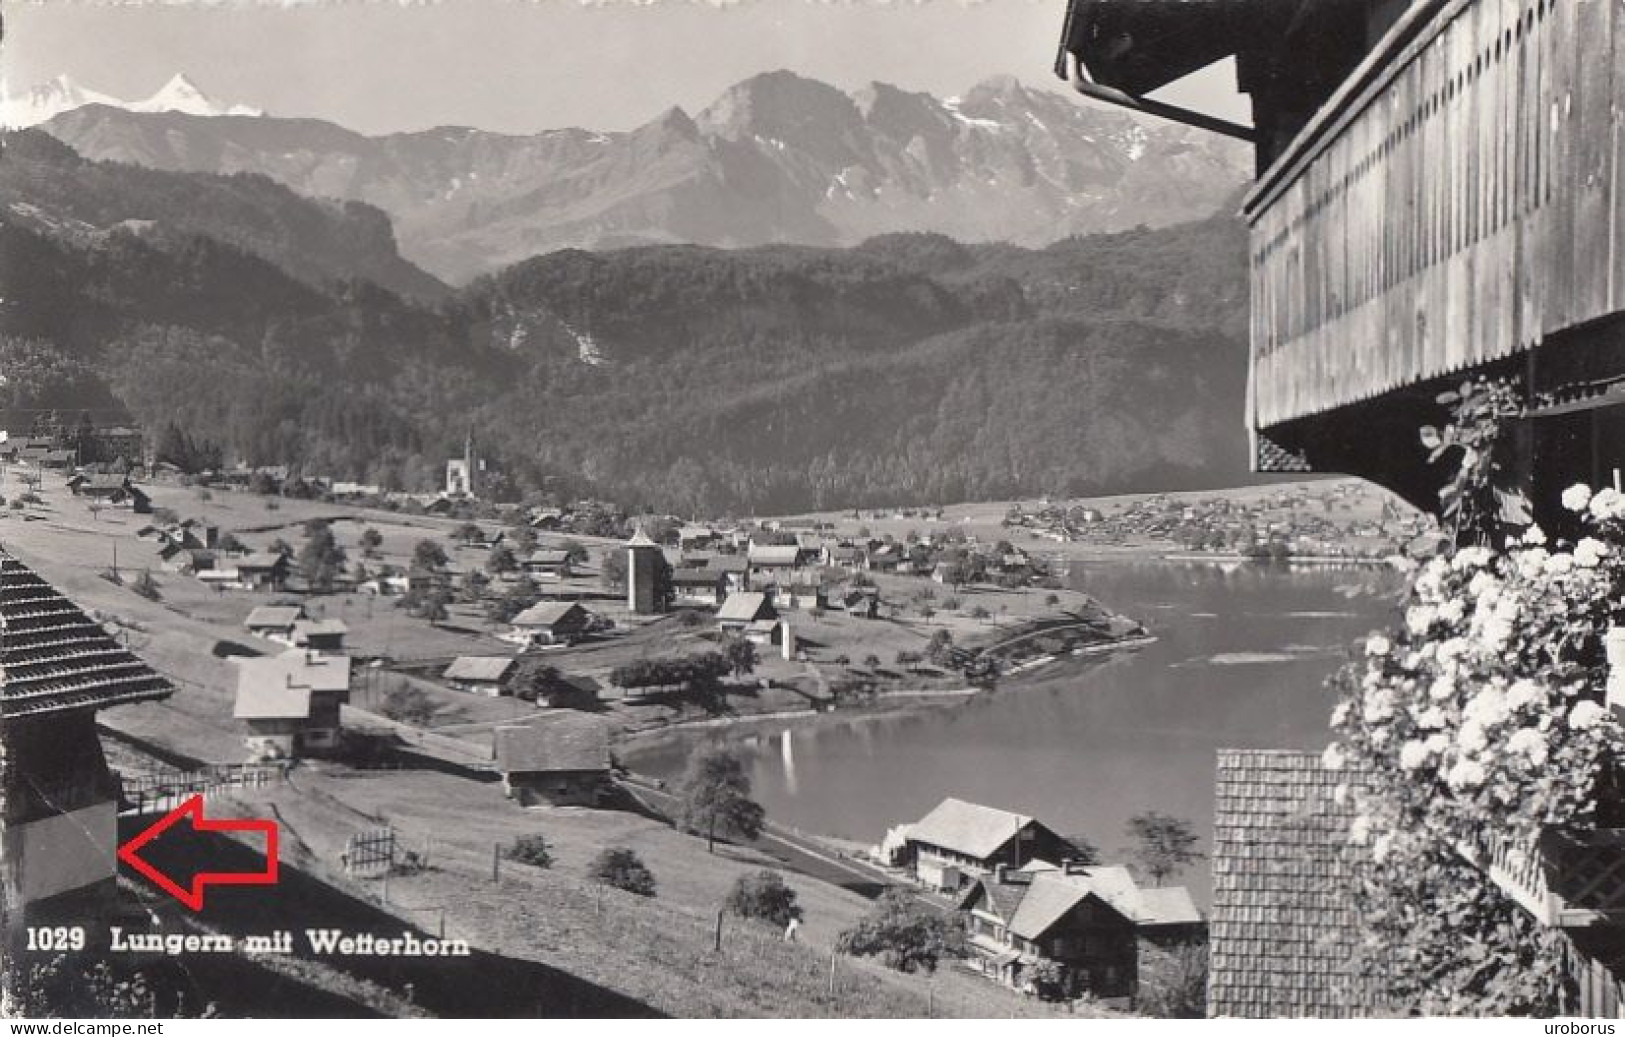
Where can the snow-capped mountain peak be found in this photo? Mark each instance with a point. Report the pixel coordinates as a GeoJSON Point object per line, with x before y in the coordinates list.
{"type": "Point", "coordinates": [48, 100]}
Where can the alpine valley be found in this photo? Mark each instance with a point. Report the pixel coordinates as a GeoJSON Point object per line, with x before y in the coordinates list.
{"type": "Point", "coordinates": [790, 300]}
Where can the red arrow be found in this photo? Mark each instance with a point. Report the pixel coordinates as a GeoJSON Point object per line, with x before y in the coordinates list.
{"type": "Point", "coordinates": [193, 898]}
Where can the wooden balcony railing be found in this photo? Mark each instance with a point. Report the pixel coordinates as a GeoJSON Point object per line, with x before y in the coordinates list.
{"type": "Point", "coordinates": [1457, 201]}
{"type": "Point", "coordinates": [1570, 878]}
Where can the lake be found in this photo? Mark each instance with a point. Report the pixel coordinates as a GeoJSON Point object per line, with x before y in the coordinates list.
{"type": "Point", "coordinates": [1241, 659]}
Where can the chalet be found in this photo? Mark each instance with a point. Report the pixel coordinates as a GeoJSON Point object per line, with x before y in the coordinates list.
{"type": "Point", "coordinates": [562, 760]}
{"type": "Point", "coordinates": [116, 490]}
{"type": "Point", "coordinates": [883, 558]}
{"type": "Point", "coordinates": [735, 569]}
{"type": "Point", "coordinates": [862, 602]}
{"type": "Point", "coordinates": [480, 674]}
{"type": "Point", "coordinates": [958, 841]}
{"type": "Point", "coordinates": [320, 635]}
{"type": "Point", "coordinates": [58, 799]}
{"type": "Point", "coordinates": [803, 592]}
{"type": "Point", "coordinates": [843, 556]}
{"type": "Point", "coordinates": [275, 622]}
{"type": "Point", "coordinates": [263, 570]}
{"type": "Point", "coordinates": [222, 578]}
{"type": "Point", "coordinates": [696, 538]}
{"type": "Point", "coordinates": [547, 562]}
{"type": "Point", "coordinates": [1087, 920]}
{"type": "Point", "coordinates": [769, 562]}
{"type": "Point", "coordinates": [290, 702]}
{"type": "Point", "coordinates": [743, 608]}
{"type": "Point", "coordinates": [551, 623]}
{"type": "Point", "coordinates": [699, 586]}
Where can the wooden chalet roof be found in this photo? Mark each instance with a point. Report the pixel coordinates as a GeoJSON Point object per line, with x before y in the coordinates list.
{"type": "Point", "coordinates": [54, 658]}
{"type": "Point", "coordinates": [1283, 929]}
{"type": "Point", "coordinates": [967, 828]}
{"type": "Point", "coordinates": [565, 742]}
{"type": "Point", "coordinates": [489, 668]}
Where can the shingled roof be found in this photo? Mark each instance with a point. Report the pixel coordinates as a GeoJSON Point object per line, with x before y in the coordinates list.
{"type": "Point", "coordinates": [1283, 929]}
{"type": "Point", "coordinates": [54, 658]}
{"type": "Point", "coordinates": [561, 743]}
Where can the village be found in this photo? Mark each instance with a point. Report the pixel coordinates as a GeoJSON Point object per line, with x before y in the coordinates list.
{"type": "Point", "coordinates": [458, 673]}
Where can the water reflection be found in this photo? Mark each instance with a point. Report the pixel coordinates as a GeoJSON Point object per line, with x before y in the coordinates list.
{"type": "Point", "coordinates": [1241, 659]}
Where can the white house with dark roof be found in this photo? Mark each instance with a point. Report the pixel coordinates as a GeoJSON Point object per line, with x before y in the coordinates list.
{"type": "Point", "coordinates": [290, 702]}
{"type": "Point", "coordinates": [480, 674]}
{"type": "Point", "coordinates": [549, 623]}
{"type": "Point", "coordinates": [320, 635]}
{"type": "Point", "coordinates": [958, 841]}
{"type": "Point", "coordinates": [275, 622]}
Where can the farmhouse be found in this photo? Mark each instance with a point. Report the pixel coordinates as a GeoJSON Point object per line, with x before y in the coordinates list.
{"type": "Point", "coordinates": [772, 561]}
{"type": "Point", "coordinates": [547, 562]}
{"type": "Point", "coordinates": [320, 635]}
{"type": "Point", "coordinates": [742, 609]}
{"type": "Point", "coordinates": [263, 570]}
{"type": "Point", "coordinates": [562, 760]}
{"type": "Point", "coordinates": [1085, 921]}
{"type": "Point", "coordinates": [695, 585]}
{"type": "Point", "coordinates": [958, 841]}
{"type": "Point", "coordinates": [60, 831]}
{"type": "Point", "coordinates": [480, 674]}
{"type": "Point", "coordinates": [116, 490]}
{"type": "Point", "coordinates": [551, 623]}
{"type": "Point", "coordinates": [290, 702]}
{"type": "Point", "coordinates": [275, 622]}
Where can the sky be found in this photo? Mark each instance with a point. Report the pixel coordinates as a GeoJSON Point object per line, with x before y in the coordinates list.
{"type": "Point", "coordinates": [520, 66]}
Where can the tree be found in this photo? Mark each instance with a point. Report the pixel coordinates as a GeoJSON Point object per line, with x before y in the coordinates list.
{"type": "Point", "coordinates": [741, 655]}
{"type": "Point", "coordinates": [1173, 981]}
{"type": "Point", "coordinates": [469, 533]}
{"type": "Point", "coordinates": [764, 896]}
{"type": "Point", "coordinates": [428, 554]}
{"type": "Point", "coordinates": [371, 541]}
{"type": "Point", "coordinates": [575, 551]}
{"type": "Point", "coordinates": [530, 849]}
{"type": "Point", "coordinates": [501, 559]}
{"type": "Point", "coordinates": [523, 538]}
{"type": "Point", "coordinates": [230, 544]}
{"type": "Point", "coordinates": [1084, 850]}
{"type": "Point", "coordinates": [940, 649]}
{"type": "Point", "coordinates": [904, 932]}
{"type": "Point", "coordinates": [714, 798]}
{"type": "Point", "coordinates": [619, 867]}
{"type": "Point", "coordinates": [1163, 845]}
{"type": "Point", "coordinates": [613, 572]}
{"type": "Point", "coordinates": [433, 606]}
{"type": "Point", "coordinates": [542, 683]}
{"type": "Point", "coordinates": [321, 559]}
{"type": "Point", "coordinates": [407, 704]}
{"type": "Point", "coordinates": [979, 612]}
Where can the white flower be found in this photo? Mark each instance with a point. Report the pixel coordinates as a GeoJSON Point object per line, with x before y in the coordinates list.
{"type": "Point", "coordinates": [1340, 714]}
{"type": "Point", "coordinates": [1340, 794]}
{"type": "Point", "coordinates": [1418, 618]}
{"type": "Point", "coordinates": [1382, 848]}
{"type": "Point", "coordinates": [1437, 743]}
{"type": "Point", "coordinates": [1532, 563]}
{"type": "Point", "coordinates": [1452, 610]}
{"type": "Point", "coordinates": [1589, 552]}
{"type": "Point", "coordinates": [1607, 504]}
{"type": "Point", "coordinates": [1442, 688]}
{"type": "Point", "coordinates": [1534, 536]}
{"type": "Point", "coordinates": [1488, 707]}
{"type": "Point", "coordinates": [1523, 693]}
{"type": "Point", "coordinates": [1378, 707]}
{"type": "Point", "coordinates": [1413, 755]}
{"type": "Point", "coordinates": [1377, 644]}
{"type": "Point", "coordinates": [1465, 775]}
{"type": "Point", "coordinates": [1559, 564]}
{"type": "Point", "coordinates": [1474, 557]}
{"type": "Point", "coordinates": [1360, 830]}
{"type": "Point", "coordinates": [1471, 736]}
{"type": "Point", "coordinates": [1585, 714]}
{"type": "Point", "coordinates": [1333, 759]}
{"type": "Point", "coordinates": [1430, 719]}
{"type": "Point", "coordinates": [1530, 743]}
{"type": "Point", "coordinates": [1576, 497]}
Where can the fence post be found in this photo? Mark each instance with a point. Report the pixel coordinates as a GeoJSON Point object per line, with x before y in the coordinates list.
{"type": "Point", "coordinates": [496, 861]}
{"type": "Point", "coordinates": [717, 943]}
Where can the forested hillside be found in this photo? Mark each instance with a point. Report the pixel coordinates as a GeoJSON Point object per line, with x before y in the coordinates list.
{"type": "Point", "coordinates": [907, 368]}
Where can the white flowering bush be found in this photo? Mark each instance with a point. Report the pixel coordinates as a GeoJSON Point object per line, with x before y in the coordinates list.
{"type": "Point", "coordinates": [1479, 716]}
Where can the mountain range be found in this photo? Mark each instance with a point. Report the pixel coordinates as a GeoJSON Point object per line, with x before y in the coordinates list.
{"type": "Point", "coordinates": [778, 158]}
{"type": "Point", "coordinates": [47, 100]}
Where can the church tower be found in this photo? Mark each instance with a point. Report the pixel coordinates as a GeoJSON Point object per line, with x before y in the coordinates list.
{"type": "Point", "coordinates": [643, 562]}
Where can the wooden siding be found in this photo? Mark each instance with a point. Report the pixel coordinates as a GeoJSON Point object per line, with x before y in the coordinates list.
{"type": "Point", "coordinates": [1456, 202]}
